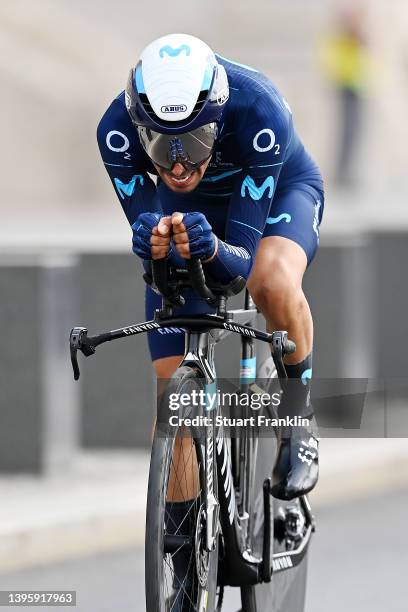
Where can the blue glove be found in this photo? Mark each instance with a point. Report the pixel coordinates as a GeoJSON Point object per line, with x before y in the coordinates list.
{"type": "Point", "coordinates": [200, 235]}
{"type": "Point", "coordinates": [142, 233]}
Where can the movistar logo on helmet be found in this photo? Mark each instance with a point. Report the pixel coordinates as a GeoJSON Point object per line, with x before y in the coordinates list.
{"type": "Point", "coordinates": [174, 108]}
{"type": "Point", "coordinates": [174, 52]}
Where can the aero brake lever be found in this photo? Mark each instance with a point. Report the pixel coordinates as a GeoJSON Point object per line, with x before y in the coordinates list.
{"type": "Point", "coordinates": [281, 346]}
{"type": "Point", "coordinates": [78, 341]}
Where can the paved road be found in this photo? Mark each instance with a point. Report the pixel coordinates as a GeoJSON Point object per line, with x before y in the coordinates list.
{"type": "Point", "coordinates": [357, 564]}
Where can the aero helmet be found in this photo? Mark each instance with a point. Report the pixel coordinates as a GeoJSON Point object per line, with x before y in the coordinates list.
{"type": "Point", "coordinates": [176, 86]}
{"type": "Point", "coordinates": [175, 97]}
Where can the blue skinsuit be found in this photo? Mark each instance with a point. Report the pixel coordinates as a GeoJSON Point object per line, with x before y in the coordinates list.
{"type": "Point", "coordinates": [260, 182]}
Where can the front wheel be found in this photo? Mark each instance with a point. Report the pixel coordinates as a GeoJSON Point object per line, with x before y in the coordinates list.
{"type": "Point", "coordinates": [181, 575]}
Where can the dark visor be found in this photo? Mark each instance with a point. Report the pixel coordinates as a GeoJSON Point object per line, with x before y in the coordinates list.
{"type": "Point", "coordinates": [190, 149]}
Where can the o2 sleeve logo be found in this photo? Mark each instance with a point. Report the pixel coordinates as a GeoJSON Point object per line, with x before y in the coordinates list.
{"type": "Point", "coordinates": [121, 142]}
{"type": "Point", "coordinates": [265, 140]}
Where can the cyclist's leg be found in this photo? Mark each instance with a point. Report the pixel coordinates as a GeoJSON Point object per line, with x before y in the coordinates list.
{"type": "Point", "coordinates": [166, 366]}
{"type": "Point", "coordinates": [276, 287]}
{"type": "Point", "coordinates": [289, 244]}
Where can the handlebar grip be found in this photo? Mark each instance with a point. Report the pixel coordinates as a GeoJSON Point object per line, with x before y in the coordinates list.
{"type": "Point", "coordinates": [161, 280]}
{"type": "Point", "coordinates": [74, 362]}
{"type": "Point", "coordinates": [159, 274]}
{"type": "Point", "coordinates": [198, 280]}
{"type": "Point", "coordinates": [289, 346]}
{"type": "Point", "coordinates": [78, 341]}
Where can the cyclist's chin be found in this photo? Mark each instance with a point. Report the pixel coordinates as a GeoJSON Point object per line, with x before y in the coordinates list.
{"type": "Point", "coordinates": [187, 183]}
{"type": "Point", "coordinates": [184, 185]}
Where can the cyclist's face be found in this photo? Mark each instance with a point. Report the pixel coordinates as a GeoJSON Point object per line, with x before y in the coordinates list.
{"type": "Point", "coordinates": [179, 179]}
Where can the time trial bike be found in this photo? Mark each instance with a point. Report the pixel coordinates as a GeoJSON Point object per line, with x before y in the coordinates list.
{"type": "Point", "coordinates": [233, 532]}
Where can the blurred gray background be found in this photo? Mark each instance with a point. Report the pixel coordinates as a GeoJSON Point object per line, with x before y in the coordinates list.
{"type": "Point", "coordinates": [65, 245]}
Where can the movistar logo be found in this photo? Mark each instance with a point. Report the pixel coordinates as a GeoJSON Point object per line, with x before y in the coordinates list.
{"type": "Point", "coordinates": [255, 192]}
{"type": "Point", "coordinates": [174, 52]}
{"type": "Point", "coordinates": [283, 217]}
{"type": "Point", "coordinates": [174, 108]}
{"type": "Point", "coordinates": [127, 189]}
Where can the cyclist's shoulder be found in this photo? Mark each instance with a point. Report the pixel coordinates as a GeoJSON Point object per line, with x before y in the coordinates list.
{"type": "Point", "coordinates": [257, 115]}
{"type": "Point", "coordinates": [116, 133]}
{"type": "Point", "coordinates": [253, 92]}
{"type": "Point", "coordinates": [116, 114]}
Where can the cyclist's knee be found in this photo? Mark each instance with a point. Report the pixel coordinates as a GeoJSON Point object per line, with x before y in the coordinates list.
{"type": "Point", "coordinates": [272, 284]}
{"type": "Point", "coordinates": [277, 293]}
{"type": "Point", "coordinates": [166, 366]}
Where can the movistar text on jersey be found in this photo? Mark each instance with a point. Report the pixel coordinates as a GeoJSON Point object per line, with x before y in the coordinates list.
{"type": "Point", "coordinates": [210, 400]}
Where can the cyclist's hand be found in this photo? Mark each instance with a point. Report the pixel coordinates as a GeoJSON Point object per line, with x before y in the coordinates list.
{"type": "Point", "coordinates": [151, 236]}
{"type": "Point", "coordinates": [193, 236]}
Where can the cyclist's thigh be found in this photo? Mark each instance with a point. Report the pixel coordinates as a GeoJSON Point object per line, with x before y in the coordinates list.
{"type": "Point", "coordinates": [169, 341]}
{"type": "Point", "coordinates": [296, 214]}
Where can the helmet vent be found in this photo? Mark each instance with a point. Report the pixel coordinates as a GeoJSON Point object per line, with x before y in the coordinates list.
{"type": "Point", "coordinates": [200, 102]}
{"type": "Point", "coordinates": [146, 105]}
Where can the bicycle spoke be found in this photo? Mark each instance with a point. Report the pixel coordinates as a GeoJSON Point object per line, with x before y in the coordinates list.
{"type": "Point", "coordinates": [182, 588]}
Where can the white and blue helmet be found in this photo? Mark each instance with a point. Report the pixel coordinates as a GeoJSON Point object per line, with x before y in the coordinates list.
{"type": "Point", "coordinates": [177, 86]}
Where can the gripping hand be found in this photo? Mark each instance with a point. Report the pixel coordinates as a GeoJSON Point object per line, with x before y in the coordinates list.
{"type": "Point", "coordinates": [193, 236]}
{"type": "Point", "coordinates": [151, 236]}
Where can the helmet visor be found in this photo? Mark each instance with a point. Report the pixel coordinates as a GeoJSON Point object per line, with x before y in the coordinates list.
{"type": "Point", "coordinates": [190, 149]}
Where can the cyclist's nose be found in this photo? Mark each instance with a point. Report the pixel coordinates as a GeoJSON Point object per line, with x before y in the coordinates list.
{"type": "Point", "coordinates": [178, 169]}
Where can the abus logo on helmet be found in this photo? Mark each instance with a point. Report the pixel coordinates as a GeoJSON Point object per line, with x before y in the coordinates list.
{"type": "Point", "coordinates": [174, 108]}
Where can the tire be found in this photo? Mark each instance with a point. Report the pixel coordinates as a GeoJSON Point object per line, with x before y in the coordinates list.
{"type": "Point", "coordinates": [161, 595]}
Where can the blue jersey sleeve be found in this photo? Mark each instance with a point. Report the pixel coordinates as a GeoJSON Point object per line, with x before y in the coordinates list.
{"type": "Point", "coordinates": [263, 140]}
{"type": "Point", "coordinates": [126, 162]}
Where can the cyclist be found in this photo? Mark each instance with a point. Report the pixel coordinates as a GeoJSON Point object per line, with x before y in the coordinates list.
{"type": "Point", "coordinates": [235, 188]}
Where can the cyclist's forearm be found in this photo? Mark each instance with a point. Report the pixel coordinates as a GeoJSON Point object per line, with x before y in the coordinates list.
{"type": "Point", "coordinates": [246, 221]}
{"type": "Point", "coordinates": [228, 262]}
